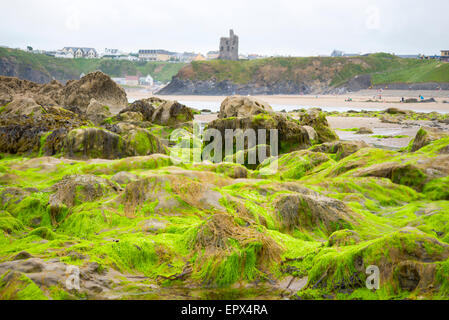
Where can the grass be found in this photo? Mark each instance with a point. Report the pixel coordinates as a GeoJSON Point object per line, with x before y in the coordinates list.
{"type": "Point", "coordinates": [384, 69]}
{"type": "Point", "coordinates": [64, 69]}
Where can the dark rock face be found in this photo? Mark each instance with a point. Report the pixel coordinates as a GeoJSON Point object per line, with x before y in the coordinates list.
{"type": "Point", "coordinates": [171, 113]}
{"type": "Point", "coordinates": [145, 107]}
{"type": "Point", "coordinates": [212, 87]}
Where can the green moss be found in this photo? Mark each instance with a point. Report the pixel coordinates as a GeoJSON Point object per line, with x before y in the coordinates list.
{"type": "Point", "coordinates": [19, 287]}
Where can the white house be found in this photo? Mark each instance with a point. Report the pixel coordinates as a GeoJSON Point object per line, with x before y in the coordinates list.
{"type": "Point", "coordinates": [89, 53]}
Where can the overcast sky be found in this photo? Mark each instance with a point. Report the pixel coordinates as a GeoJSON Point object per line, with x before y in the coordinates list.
{"type": "Point", "coordinates": [297, 28]}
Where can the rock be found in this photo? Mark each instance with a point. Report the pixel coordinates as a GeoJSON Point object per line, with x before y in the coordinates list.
{"type": "Point", "coordinates": [97, 112]}
{"type": "Point", "coordinates": [341, 148]}
{"type": "Point", "coordinates": [364, 130]}
{"type": "Point", "coordinates": [400, 173]}
{"type": "Point", "coordinates": [396, 111]}
{"type": "Point", "coordinates": [172, 113]}
{"type": "Point", "coordinates": [291, 136]}
{"type": "Point", "coordinates": [22, 106]}
{"type": "Point", "coordinates": [145, 107]}
{"type": "Point", "coordinates": [23, 255]}
{"type": "Point", "coordinates": [94, 143]}
{"type": "Point", "coordinates": [239, 106]}
{"type": "Point", "coordinates": [153, 225]}
{"type": "Point", "coordinates": [95, 85]}
{"type": "Point", "coordinates": [318, 121]}
{"type": "Point", "coordinates": [312, 212]}
{"type": "Point", "coordinates": [389, 119]}
{"type": "Point", "coordinates": [169, 193]}
{"type": "Point", "coordinates": [131, 116]}
{"type": "Point", "coordinates": [140, 142]}
{"type": "Point", "coordinates": [425, 136]}
{"type": "Point", "coordinates": [124, 177]}
{"type": "Point", "coordinates": [76, 189]}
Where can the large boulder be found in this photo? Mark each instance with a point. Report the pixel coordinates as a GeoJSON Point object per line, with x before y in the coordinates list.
{"type": "Point", "coordinates": [95, 85]}
{"type": "Point", "coordinates": [291, 136]}
{"type": "Point", "coordinates": [317, 120]}
{"type": "Point", "coordinates": [103, 144]}
{"type": "Point", "coordinates": [239, 106]}
{"type": "Point", "coordinates": [425, 136]}
{"type": "Point", "coordinates": [25, 125]}
{"type": "Point", "coordinates": [172, 113]}
{"type": "Point", "coordinates": [94, 143]}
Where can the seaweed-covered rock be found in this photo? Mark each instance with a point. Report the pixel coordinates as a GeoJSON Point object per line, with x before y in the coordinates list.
{"type": "Point", "coordinates": [140, 142]}
{"type": "Point", "coordinates": [318, 121]}
{"type": "Point", "coordinates": [364, 130]}
{"type": "Point", "coordinates": [343, 238]}
{"type": "Point", "coordinates": [425, 136]}
{"type": "Point", "coordinates": [341, 148]}
{"type": "Point", "coordinates": [95, 85]}
{"type": "Point", "coordinates": [145, 107]}
{"type": "Point", "coordinates": [291, 136]}
{"type": "Point", "coordinates": [77, 189]}
{"type": "Point", "coordinates": [240, 106]}
{"type": "Point", "coordinates": [97, 112]}
{"type": "Point", "coordinates": [22, 106]}
{"type": "Point", "coordinates": [293, 165]}
{"type": "Point", "coordinates": [124, 177]}
{"type": "Point", "coordinates": [94, 143]}
{"type": "Point", "coordinates": [313, 213]}
{"type": "Point", "coordinates": [172, 113]}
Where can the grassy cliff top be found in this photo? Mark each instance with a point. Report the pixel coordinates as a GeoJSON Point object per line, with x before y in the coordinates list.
{"type": "Point", "coordinates": [384, 68]}
{"type": "Point", "coordinates": [72, 68]}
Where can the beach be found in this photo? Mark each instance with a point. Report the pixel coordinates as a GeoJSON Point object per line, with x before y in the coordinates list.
{"type": "Point", "coordinates": [362, 100]}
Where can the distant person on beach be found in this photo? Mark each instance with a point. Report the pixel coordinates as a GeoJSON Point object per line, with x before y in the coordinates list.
{"type": "Point", "coordinates": [421, 97]}
{"type": "Point", "coordinates": [402, 100]}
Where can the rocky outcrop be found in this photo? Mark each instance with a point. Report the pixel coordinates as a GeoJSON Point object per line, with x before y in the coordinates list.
{"type": "Point", "coordinates": [172, 113]}
{"type": "Point", "coordinates": [145, 107]}
{"type": "Point", "coordinates": [291, 136]}
{"type": "Point", "coordinates": [425, 136]}
{"type": "Point", "coordinates": [76, 93]}
{"type": "Point", "coordinates": [317, 120]}
{"type": "Point", "coordinates": [97, 112]}
{"type": "Point", "coordinates": [96, 85]}
{"type": "Point", "coordinates": [239, 106]}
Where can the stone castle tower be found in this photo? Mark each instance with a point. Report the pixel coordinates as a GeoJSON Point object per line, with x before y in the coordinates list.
{"type": "Point", "coordinates": [229, 47]}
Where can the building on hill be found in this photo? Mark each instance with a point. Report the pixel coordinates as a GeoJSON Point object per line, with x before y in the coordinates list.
{"type": "Point", "coordinates": [445, 55]}
{"type": "Point", "coordinates": [213, 55]}
{"type": "Point", "coordinates": [156, 55]}
{"type": "Point", "coordinates": [89, 53]}
{"type": "Point", "coordinates": [229, 47]}
{"type": "Point", "coordinates": [199, 57]}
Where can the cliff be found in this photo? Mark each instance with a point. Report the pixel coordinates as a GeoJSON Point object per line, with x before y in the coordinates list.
{"type": "Point", "coordinates": [307, 75]}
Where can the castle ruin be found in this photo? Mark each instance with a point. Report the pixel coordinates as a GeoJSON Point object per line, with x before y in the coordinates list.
{"type": "Point", "coordinates": [229, 47]}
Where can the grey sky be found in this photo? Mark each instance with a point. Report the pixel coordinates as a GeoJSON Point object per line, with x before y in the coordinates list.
{"type": "Point", "coordinates": [297, 28]}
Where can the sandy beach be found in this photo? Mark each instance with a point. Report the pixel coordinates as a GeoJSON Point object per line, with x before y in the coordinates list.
{"type": "Point", "coordinates": [366, 99]}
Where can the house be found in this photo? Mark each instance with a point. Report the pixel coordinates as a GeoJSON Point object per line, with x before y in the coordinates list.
{"type": "Point", "coordinates": [89, 53]}
{"type": "Point", "coordinates": [156, 55]}
{"type": "Point", "coordinates": [199, 57]}
{"type": "Point", "coordinates": [146, 81]}
{"type": "Point", "coordinates": [212, 55]}
{"type": "Point", "coordinates": [64, 55]}
{"type": "Point", "coordinates": [132, 80]}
